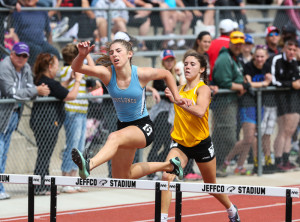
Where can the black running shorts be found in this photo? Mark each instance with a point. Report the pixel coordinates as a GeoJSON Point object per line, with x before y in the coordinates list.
{"type": "Point", "coordinates": [201, 153]}
{"type": "Point", "coordinates": [145, 124]}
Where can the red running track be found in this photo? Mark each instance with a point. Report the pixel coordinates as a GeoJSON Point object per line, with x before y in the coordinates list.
{"type": "Point", "coordinates": [198, 208]}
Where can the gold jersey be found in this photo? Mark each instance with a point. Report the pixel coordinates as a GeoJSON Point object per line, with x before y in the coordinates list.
{"type": "Point", "coordinates": [189, 130]}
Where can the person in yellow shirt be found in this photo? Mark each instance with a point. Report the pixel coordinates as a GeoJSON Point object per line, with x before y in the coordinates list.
{"type": "Point", "coordinates": [190, 133]}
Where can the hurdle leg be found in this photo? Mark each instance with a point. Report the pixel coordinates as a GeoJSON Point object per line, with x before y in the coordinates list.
{"type": "Point", "coordinates": [178, 206]}
{"type": "Point", "coordinates": [157, 202]}
{"type": "Point", "coordinates": [288, 206]}
{"type": "Point", "coordinates": [53, 201]}
{"type": "Point", "coordinates": [30, 200]}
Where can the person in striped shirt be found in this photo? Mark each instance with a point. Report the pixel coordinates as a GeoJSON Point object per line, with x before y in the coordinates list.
{"type": "Point", "coordinates": [76, 115]}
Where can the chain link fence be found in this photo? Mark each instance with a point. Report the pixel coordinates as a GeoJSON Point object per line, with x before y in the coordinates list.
{"type": "Point", "coordinates": [101, 120]}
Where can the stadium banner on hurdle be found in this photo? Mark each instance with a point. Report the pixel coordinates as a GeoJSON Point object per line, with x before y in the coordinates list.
{"type": "Point", "coordinates": [235, 189]}
{"type": "Point", "coordinates": [20, 179]}
{"type": "Point", "coordinates": [55, 181]}
{"type": "Point", "coordinates": [106, 183]}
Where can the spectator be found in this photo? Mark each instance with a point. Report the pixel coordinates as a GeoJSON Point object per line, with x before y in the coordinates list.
{"type": "Point", "coordinates": [207, 16]}
{"type": "Point", "coordinates": [246, 55]}
{"type": "Point", "coordinates": [15, 82]}
{"type": "Point", "coordinates": [47, 118]}
{"type": "Point", "coordinates": [164, 17]}
{"type": "Point", "coordinates": [184, 17]}
{"type": "Point", "coordinates": [272, 40]}
{"type": "Point", "coordinates": [162, 113]}
{"type": "Point", "coordinates": [239, 15]}
{"type": "Point", "coordinates": [9, 4]}
{"type": "Point", "coordinates": [34, 23]}
{"type": "Point", "coordinates": [226, 26]}
{"type": "Point", "coordinates": [287, 31]}
{"type": "Point", "coordinates": [227, 74]}
{"type": "Point", "coordinates": [256, 73]}
{"type": "Point", "coordinates": [75, 24]}
{"type": "Point", "coordinates": [287, 16]}
{"type": "Point", "coordinates": [75, 115]}
{"type": "Point", "coordinates": [285, 72]}
{"type": "Point", "coordinates": [201, 45]}
{"type": "Point", "coordinates": [119, 19]}
{"type": "Point", "coordinates": [139, 18]}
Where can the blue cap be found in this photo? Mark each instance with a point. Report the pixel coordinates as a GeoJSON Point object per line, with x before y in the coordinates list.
{"type": "Point", "coordinates": [249, 39]}
{"type": "Point", "coordinates": [168, 53]}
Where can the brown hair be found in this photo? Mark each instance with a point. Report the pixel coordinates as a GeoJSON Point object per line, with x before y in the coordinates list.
{"type": "Point", "coordinates": [202, 60]}
{"type": "Point", "coordinates": [173, 68]}
{"type": "Point", "coordinates": [104, 60]}
{"type": "Point", "coordinates": [200, 37]}
{"type": "Point", "coordinates": [69, 52]}
{"type": "Point", "coordinates": [41, 65]}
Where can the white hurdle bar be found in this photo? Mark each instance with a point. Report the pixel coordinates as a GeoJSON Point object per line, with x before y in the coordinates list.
{"type": "Point", "coordinates": [55, 181]}
{"type": "Point", "coordinates": [178, 187]}
{"type": "Point", "coordinates": [287, 192]}
{"type": "Point", "coordinates": [31, 180]}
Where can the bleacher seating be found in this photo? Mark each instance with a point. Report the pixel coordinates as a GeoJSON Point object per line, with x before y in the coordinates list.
{"type": "Point", "coordinates": [155, 37]}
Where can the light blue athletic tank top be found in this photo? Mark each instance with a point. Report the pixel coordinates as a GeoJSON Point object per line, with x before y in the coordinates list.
{"type": "Point", "coordinates": [129, 103]}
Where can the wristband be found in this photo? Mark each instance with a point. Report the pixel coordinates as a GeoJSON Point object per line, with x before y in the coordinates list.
{"type": "Point", "coordinates": [246, 85]}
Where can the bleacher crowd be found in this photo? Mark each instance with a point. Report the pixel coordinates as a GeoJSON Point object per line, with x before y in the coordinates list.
{"type": "Point", "coordinates": [30, 64]}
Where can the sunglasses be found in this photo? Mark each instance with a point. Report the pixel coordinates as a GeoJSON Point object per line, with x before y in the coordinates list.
{"type": "Point", "coordinates": [237, 37]}
{"type": "Point", "coordinates": [261, 47]}
{"type": "Point", "coordinates": [273, 34]}
{"type": "Point", "coordinates": [25, 56]}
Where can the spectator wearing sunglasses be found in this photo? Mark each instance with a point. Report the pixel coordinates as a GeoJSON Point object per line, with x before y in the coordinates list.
{"type": "Point", "coordinates": [272, 40]}
{"type": "Point", "coordinates": [16, 82]}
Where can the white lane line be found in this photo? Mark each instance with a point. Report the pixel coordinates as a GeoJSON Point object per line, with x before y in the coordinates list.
{"type": "Point", "coordinates": [217, 212]}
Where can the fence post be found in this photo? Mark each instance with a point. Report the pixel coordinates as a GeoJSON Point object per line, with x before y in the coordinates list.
{"type": "Point", "coordinates": [259, 136]}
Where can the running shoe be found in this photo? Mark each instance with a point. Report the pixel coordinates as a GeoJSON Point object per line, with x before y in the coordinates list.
{"type": "Point", "coordinates": [192, 177]}
{"type": "Point", "coordinates": [178, 171]}
{"type": "Point", "coordinates": [280, 168]}
{"type": "Point", "coordinates": [236, 217]}
{"type": "Point", "coordinates": [289, 165]}
{"type": "Point", "coordinates": [269, 169]}
{"type": "Point", "coordinates": [221, 173]}
{"type": "Point", "coordinates": [83, 164]}
{"type": "Point", "coordinates": [4, 196]}
{"type": "Point", "coordinates": [242, 171]}
{"type": "Point", "coordinates": [254, 170]}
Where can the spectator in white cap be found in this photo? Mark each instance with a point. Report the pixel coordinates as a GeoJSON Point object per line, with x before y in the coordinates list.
{"type": "Point", "coordinates": [226, 26]}
{"type": "Point", "coordinates": [272, 40]}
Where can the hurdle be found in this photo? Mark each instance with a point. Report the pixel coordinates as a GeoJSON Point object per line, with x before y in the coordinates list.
{"type": "Point", "coordinates": [287, 192]}
{"type": "Point", "coordinates": [177, 187]}
{"type": "Point", "coordinates": [31, 180]}
{"type": "Point", "coordinates": [55, 181]}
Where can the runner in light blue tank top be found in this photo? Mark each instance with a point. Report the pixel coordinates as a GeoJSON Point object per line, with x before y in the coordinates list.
{"type": "Point", "coordinates": [126, 85]}
{"type": "Point", "coordinates": [130, 103]}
